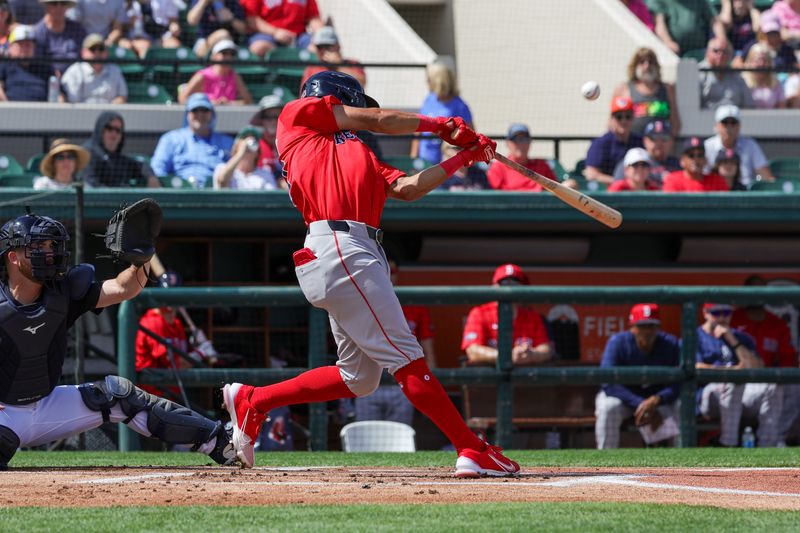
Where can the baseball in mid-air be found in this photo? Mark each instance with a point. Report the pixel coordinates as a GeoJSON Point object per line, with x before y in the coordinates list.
{"type": "Point", "coordinates": [590, 90]}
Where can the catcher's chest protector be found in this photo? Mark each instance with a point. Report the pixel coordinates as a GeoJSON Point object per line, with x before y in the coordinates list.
{"type": "Point", "coordinates": [32, 346]}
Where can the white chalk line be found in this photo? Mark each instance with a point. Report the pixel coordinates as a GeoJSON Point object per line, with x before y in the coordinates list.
{"type": "Point", "coordinates": [130, 479]}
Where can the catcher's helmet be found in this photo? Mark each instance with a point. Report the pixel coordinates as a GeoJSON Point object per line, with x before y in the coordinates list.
{"type": "Point", "coordinates": [343, 86]}
{"type": "Point", "coordinates": [29, 232]}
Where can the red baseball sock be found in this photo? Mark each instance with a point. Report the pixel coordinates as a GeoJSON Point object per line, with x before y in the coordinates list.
{"type": "Point", "coordinates": [316, 385]}
{"type": "Point", "coordinates": [426, 393]}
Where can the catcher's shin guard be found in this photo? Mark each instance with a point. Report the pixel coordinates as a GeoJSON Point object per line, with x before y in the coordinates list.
{"type": "Point", "coordinates": [9, 442]}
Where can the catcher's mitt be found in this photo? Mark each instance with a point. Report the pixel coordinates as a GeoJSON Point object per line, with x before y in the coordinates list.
{"type": "Point", "coordinates": [132, 231]}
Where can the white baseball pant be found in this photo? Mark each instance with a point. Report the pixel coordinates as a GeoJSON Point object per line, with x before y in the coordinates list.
{"type": "Point", "coordinates": [610, 413]}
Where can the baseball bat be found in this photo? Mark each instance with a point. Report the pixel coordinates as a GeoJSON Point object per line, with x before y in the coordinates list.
{"type": "Point", "coordinates": [585, 204]}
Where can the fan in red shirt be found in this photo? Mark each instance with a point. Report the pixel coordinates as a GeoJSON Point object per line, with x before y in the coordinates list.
{"type": "Point", "coordinates": [636, 175]}
{"type": "Point", "coordinates": [530, 338]}
{"type": "Point", "coordinates": [280, 23]}
{"type": "Point", "coordinates": [691, 177]}
{"type": "Point", "coordinates": [502, 178]}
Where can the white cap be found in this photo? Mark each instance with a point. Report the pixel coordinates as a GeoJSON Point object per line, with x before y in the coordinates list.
{"type": "Point", "coordinates": [637, 155]}
{"type": "Point", "coordinates": [726, 111]}
{"type": "Point", "coordinates": [224, 44]}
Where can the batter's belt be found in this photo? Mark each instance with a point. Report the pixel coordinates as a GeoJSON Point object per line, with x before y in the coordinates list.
{"type": "Point", "coordinates": [343, 225]}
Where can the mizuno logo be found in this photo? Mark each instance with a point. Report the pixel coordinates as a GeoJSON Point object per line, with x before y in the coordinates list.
{"type": "Point", "coordinates": [33, 329]}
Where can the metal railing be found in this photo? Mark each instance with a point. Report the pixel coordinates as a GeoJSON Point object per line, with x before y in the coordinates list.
{"type": "Point", "coordinates": [504, 375]}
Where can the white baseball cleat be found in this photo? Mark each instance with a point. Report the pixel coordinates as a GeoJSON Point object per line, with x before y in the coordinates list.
{"type": "Point", "coordinates": [246, 421]}
{"type": "Point", "coordinates": [489, 462]}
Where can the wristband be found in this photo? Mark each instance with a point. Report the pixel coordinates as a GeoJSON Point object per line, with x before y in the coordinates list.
{"type": "Point", "coordinates": [461, 159]}
{"type": "Point", "coordinates": [427, 123]}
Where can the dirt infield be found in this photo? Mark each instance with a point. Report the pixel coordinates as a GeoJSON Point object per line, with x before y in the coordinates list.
{"type": "Point", "coordinates": [744, 488]}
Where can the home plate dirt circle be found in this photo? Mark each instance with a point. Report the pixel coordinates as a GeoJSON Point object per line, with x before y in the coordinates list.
{"type": "Point", "coordinates": [743, 488]}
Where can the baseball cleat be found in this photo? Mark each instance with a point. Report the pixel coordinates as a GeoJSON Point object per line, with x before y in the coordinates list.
{"type": "Point", "coordinates": [224, 453]}
{"type": "Point", "coordinates": [489, 462]}
{"type": "Point", "coordinates": [246, 421]}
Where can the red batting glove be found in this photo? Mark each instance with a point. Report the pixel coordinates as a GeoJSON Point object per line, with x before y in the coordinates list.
{"type": "Point", "coordinates": [452, 130]}
{"type": "Point", "coordinates": [481, 150]}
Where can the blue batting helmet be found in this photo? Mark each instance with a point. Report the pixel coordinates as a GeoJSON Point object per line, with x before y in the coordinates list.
{"type": "Point", "coordinates": [343, 86]}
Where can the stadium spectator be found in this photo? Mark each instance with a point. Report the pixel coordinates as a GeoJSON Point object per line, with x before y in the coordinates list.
{"type": "Point", "coordinates": [161, 22]}
{"type": "Point", "coordinates": [728, 165]}
{"type": "Point", "coordinates": [765, 88]}
{"type": "Point", "coordinates": [27, 11]}
{"type": "Point", "coordinates": [241, 171]}
{"type": "Point", "coordinates": [717, 88]}
{"type": "Point", "coordinates": [61, 166]}
{"type": "Point", "coordinates": [326, 44]}
{"type": "Point", "coordinates": [109, 167]}
{"type": "Point", "coordinates": [691, 177]}
{"type": "Point", "coordinates": [753, 161]}
{"type": "Point", "coordinates": [518, 144]}
{"type": "Point", "coordinates": [24, 80]}
{"type": "Point", "coordinates": [6, 25]}
{"type": "Point", "coordinates": [443, 100]}
{"type": "Point", "coordinates": [788, 14]}
{"type": "Point", "coordinates": [685, 25]}
{"type": "Point", "coordinates": [659, 142]}
{"type": "Point", "coordinates": [742, 22]}
{"type": "Point", "coordinates": [266, 118]}
{"type": "Point", "coordinates": [216, 20]}
{"type": "Point", "coordinates": [108, 18]}
{"type": "Point", "coordinates": [57, 37]}
{"type": "Point", "coordinates": [638, 8]}
{"type": "Point", "coordinates": [92, 81]}
{"type": "Point", "coordinates": [471, 178]}
{"type": "Point", "coordinates": [531, 341]}
{"type": "Point", "coordinates": [222, 84]}
{"type": "Point", "coordinates": [644, 344]}
{"type": "Point", "coordinates": [388, 401]}
{"type": "Point", "coordinates": [792, 90]}
{"type": "Point", "coordinates": [281, 23]}
{"type": "Point", "coordinates": [652, 98]}
{"type": "Point", "coordinates": [135, 36]}
{"type": "Point", "coordinates": [608, 150]}
{"type": "Point", "coordinates": [720, 346]}
{"type": "Point", "coordinates": [783, 57]}
{"type": "Point", "coordinates": [193, 151]}
{"type": "Point", "coordinates": [637, 173]}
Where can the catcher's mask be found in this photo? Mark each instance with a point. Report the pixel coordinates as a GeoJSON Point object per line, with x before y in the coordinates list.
{"type": "Point", "coordinates": [343, 86]}
{"type": "Point", "coordinates": [31, 232]}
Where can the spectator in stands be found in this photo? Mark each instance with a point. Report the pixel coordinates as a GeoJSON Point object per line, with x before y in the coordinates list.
{"type": "Point", "coordinates": [6, 25]}
{"type": "Point", "coordinates": [92, 81]}
{"type": "Point", "coordinates": [216, 20]}
{"type": "Point", "coordinates": [61, 165]}
{"type": "Point", "coordinates": [281, 23]}
{"type": "Point", "coordinates": [767, 92]}
{"type": "Point", "coordinates": [685, 25]}
{"type": "Point", "coordinates": [652, 98]}
{"type": "Point", "coordinates": [638, 8]}
{"type": "Point", "coordinates": [219, 81]}
{"type": "Point", "coordinates": [782, 55]}
{"type": "Point", "coordinates": [531, 341]}
{"type": "Point", "coordinates": [774, 344]}
{"type": "Point", "coordinates": [792, 90]}
{"type": "Point", "coordinates": [753, 161]}
{"type": "Point", "coordinates": [270, 107]}
{"type": "Point", "coordinates": [659, 142]}
{"type": "Point", "coordinates": [135, 37]}
{"type": "Point", "coordinates": [57, 37]}
{"type": "Point", "coordinates": [443, 100]}
{"type": "Point", "coordinates": [194, 151]}
{"type": "Point", "coordinates": [728, 165]}
{"type": "Point", "coordinates": [24, 80]}
{"type": "Point", "coordinates": [241, 171]}
{"type": "Point", "coordinates": [691, 177]}
{"type": "Point", "coordinates": [518, 144]}
{"type": "Point", "coordinates": [788, 14]}
{"type": "Point", "coordinates": [607, 151]}
{"type": "Point", "coordinates": [720, 346]}
{"type": "Point", "coordinates": [644, 344]}
{"type": "Point", "coordinates": [27, 11]}
{"type": "Point", "coordinates": [388, 402]}
{"type": "Point", "coordinates": [717, 88]}
{"type": "Point", "coordinates": [109, 167]}
{"type": "Point", "coordinates": [326, 45]}
{"type": "Point", "coordinates": [742, 22]}
{"type": "Point", "coordinates": [637, 173]}
{"type": "Point", "coordinates": [471, 178]}
{"type": "Point", "coordinates": [162, 23]}
{"type": "Point", "coordinates": [108, 18]}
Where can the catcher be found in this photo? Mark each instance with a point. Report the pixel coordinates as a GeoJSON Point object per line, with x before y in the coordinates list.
{"type": "Point", "coordinates": [40, 298]}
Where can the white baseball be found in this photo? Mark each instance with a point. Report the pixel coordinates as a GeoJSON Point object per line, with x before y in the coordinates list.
{"type": "Point", "coordinates": [590, 90]}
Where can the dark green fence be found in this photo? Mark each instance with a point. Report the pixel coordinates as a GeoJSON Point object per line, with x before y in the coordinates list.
{"type": "Point", "coordinates": [504, 375]}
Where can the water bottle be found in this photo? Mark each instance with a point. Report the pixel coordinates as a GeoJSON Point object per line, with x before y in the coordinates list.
{"type": "Point", "coordinates": [748, 438]}
{"type": "Point", "coordinates": [53, 88]}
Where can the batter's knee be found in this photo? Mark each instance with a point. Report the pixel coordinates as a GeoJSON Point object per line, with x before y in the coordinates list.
{"type": "Point", "coordinates": [9, 443]}
{"type": "Point", "coordinates": [365, 383]}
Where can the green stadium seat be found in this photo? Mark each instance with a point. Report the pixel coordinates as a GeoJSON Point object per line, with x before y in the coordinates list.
{"type": "Point", "coordinates": [260, 90]}
{"type": "Point", "coordinates": [786, 167]}
{"type": "Point", "coordinates": [141, 158]}
{"type": "Point", "coordinates": [132, 71]}
{"type": "Point", "coordinates": [558, 169]}
{"type": "Point", "coordinates": [142, 92]}
{"type": "Point", "coordinates": [175, 182]}
{"type": "Point", "coordinates": [33, 163]}
{"type": "Point", "coordinates": [171, 66]}
{"type": "Point", "coordinates": [9, 165]}
{"type": "Point", "coordinates": [16, 180]}
{"type": "Point", "coordinates": [406, 163]}
{"type": "Point", "coordinates": [253, 69]}
{"type": "Point", "coordinates": [593, 186]}
{"type": "Point", "coordinates": [788, 186]}
{"type": "Point", "coordinates": [290, 75]}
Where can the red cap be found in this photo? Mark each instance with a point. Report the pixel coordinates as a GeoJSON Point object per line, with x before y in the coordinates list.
{"type": "Point", "coordinates": [510, 271]}
{"type": "Point", "coordinates": [642, 314]}
{"type": "Point", "coordinates": [621, 103]}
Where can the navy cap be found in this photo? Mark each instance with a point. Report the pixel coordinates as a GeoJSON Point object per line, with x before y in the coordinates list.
{"type": "Point", "coordinates": [517, 129]}
{"type": "Point", "coordinates": [658, 128]}
{"type": "Point", "coordinates": [691, 143]}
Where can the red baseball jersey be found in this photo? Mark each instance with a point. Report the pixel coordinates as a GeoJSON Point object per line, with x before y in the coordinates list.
{"type": "Point", "coordinates": [679, 181]}
{"type": "Point", "coordinates": [502, 178]}
{"type": "Point", "coordinates": [292, 15]}
{"type": "Point", "coordinates": [481, 327]}
{"type": "Point", "coordinates": [419, 321]}
{"type": "Point", "coordinates": [772, 336]}
{"type": "Point", "coordinates": [332, 175]}
{"type": "Point", "coordinates": [149, 352]}
{"type": "Point", "coordinates": [624, 186]}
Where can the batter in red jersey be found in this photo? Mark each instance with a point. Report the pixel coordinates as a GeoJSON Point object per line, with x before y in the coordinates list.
{"type": "Point", "coordinates": [340, 188]}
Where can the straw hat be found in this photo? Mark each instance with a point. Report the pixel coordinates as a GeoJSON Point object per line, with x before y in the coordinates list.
{"type": "Point", "coordinates": [47, 166]}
